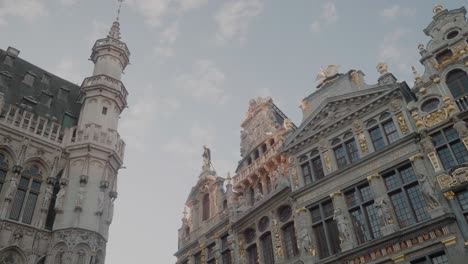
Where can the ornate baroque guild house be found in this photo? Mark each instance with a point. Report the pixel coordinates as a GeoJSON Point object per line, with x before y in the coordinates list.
{"type": "Point", "coordinates": [375, 173]}
{"type": "Point", "coordinates": [59, 157]}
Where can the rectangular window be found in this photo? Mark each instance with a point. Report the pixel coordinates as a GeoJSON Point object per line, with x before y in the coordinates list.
{"type": "Point", "coordinates": [17, 204]}
{"type": "Point", "coordinates": [29, 208]}
{"type": "Point", "coordinates": [3, 174]}
{"type": "Point", "coordinates": [450, 149]}
{"type": "Point", "coordinates": [390, 131]}
{"type": "Point", "coordinates": [438, 258]}
{"type": "Point", "coordinates": [377, 139]}
{"type": "Point", "coordinates": [363, 213]}
{"type": "Point", "coordinates": [252, 255]}
{"type": "Point", "coordinates": [225, 251]}
{"type": "Point", "coordinates": [306, 173]}
{"type": "Point", "coordinates": [210, 252]}
{"type": "Point", "coordinates": [462, 198]}
{"type": "Point", "coordinates": [104, 110]}
{"type": "Point", "coordinates": [405, 195]}
{"type": "Point", "coordinates": [290, 242]}
{"type": "Point", "coordinates": [197, 258]}
{"type": "Point", "coordinates": [267, 249]}
{"type": "Point", "coordinates": [325, 229]}
{"type": "Point", "coordinates": [340, 156]}
{"type": "Point", "coordinates": [352, 151]}
{"type": "Point", "coordinates": [317, 168]}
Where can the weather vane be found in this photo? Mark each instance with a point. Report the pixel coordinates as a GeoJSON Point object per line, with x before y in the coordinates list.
{"type": "Point", "coordinates": [118, 10]}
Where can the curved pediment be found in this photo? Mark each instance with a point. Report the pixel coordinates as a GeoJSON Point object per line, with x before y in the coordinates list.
{"type": "Point", "coordinates": [203, 185]}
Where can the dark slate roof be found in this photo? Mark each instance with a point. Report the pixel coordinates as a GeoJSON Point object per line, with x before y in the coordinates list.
{"type": "Point", "coordinates": [36, 96]}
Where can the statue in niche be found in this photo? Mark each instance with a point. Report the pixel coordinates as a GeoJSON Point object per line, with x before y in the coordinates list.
{"type": "Point", "coordinates": [80, 197]}
{"type": "Point", "coordinates": [47, 196]}
{"type": "Point", "coordinates": [258, 195]}
{"type": "Point", "coordinates": [426, 142]}
{"type": "Point", "coordinates": [60, 198]}
{"type": "Point", "coordinates": [427, 189]}
{"type": "Point", "coordinates": [288, 124]}
{"type": "Point", "coordinates": [12, 188]}
{"type": "Point", "coordinates": [383, 211]}
{"type": "Point", "coordinates": [343, 226]}
{"type": "Point", "coordinates": [460, 127]}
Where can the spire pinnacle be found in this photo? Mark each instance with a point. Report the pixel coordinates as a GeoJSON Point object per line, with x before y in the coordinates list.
{"type": "Point", "coordinates": [115, 29]}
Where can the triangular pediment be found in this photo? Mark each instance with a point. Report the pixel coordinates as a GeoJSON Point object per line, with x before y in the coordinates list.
{"type": "Point", "coordinates": [334, 109]}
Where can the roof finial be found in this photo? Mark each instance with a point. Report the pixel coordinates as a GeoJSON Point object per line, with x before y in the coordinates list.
{"type": "Point", "coordinates": [118, 10]}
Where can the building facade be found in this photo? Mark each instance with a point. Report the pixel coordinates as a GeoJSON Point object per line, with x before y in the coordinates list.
{"type": "Point", "coordinates": [60, 153]}
{"type": "Point", "coordinates": [375, 173]}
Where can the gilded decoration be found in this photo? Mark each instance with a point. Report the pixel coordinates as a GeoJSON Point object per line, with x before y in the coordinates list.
{"type": "Point", "coordinates": [451, 240]}
{"type": "Point", "coordinates": [373, 176]}
{"type": "Point", "coordinates": [363, 143]}
{"type": "Point", "coordinates": [278, 249]}
{"type": "Point", "coordinates": [449, 195]}
{"type": "Point", "coordinates": [356, 80]}
{"type": "Point", "coordinates": [402, 123]}
{"type": "Point", "coordinates": [449, 105]}
{"type": "Point", "coordinates": [434, 161]}
{"type": "Point", "coordinates": [417, 119]}
{"type": "Point", "coordinates": [326, 157]}
{"type": "Point", "coordinates": [457, 177]}
{"type": "Point", "coordinates": [458, 52]}
{"type": "Point", "coordinates": [416, 156]}
{"type": "Point", "coordinates": [295, 177]}
{"type": "Point", "coordinates": [435, 117]}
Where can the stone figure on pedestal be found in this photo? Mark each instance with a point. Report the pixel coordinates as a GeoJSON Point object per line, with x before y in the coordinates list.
{"type": "Point", "coordinates": [305, 241]}
{"type": "Point", "coordinates": [12, 188]}
{"type": "Point", "coordinates": [47, 197]}
{"type": "Point", "coordinates": [60, 199]}
{"type": "Point", "coordinates": [383, 212]}
{"type": "Point", "coordinates": [343, 225]}
{"type": "Point", "coordinates": [427, 189]}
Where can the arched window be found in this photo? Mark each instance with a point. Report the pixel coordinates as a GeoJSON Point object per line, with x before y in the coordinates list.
{"type": "Point", "coordinates": [26, 195]}
{"type": "Point", "coordinates": [11, 257]}
{"type": "Point", "coordinates": [457, 82]}
{"type": "Point", "coordinates": [206, 207]}
{"type": "Point", "coordinates": [59, 258]}
{"type": "Point", "coordinates": [81, 256]}
{"type": "Point", "coordinates": [3, 170]}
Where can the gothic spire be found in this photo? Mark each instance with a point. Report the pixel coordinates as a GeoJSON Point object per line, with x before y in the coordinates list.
{"type": "Point", "coordinates": [115, 29]}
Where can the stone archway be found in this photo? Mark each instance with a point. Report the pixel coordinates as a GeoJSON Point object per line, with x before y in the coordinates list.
{"type": "Point", "coordinates": [11, 256]}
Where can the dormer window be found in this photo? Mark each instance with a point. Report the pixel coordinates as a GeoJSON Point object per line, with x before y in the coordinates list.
{"type": "Point", "coordinates": [29, 78]}
{"type": "Point", "coordinates": [46, 99]}
{"type": "Point", "coordinates": [63, 93]}
{"type": "Point", "coordinates": [45, 79]}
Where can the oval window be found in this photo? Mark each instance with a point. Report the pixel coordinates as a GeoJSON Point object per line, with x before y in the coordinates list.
{"type": "Point", "coordinates": [452, 34]}
{"type": "Point", "coordinates": [430, 105]}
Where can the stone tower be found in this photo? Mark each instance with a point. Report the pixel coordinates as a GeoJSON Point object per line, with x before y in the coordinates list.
{"type": "Point", "coordinates": [60, 153]}
{"type": "Point", "coordinates": [95, 149]}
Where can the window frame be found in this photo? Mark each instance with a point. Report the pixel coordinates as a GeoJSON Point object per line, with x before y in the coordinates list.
{"type": "Point", "coordinates": [379, 126]}
{"type": "Point", "coordinates": [448, 144]}
{"type": "Point", "coordinates": [266, 244]}
{"type": "Point", "coordinates": [458, 193]}
{"type": "Point", "coordinates": [323, 223]}
{"type": "Point", "coordinates": [429, 257]}
{"type": "Point", "coordinates": [28, 191]}
{"type": "Point", "coordinates": [314, 173]}
{"type": "Point", "coordinates": [347, 151]}
{"type": "Point", "coordinates": [288, 232]}
{"type": "Point", "coordinates": [403, 189]}
{"type": "Point", "coordinates": [361, 204]}
{"type": "Point", "coordinates": [4, 168]}
{"type": "Point", "coordinates": [462, 90]}
{"type": "Point", "coordinates": [226, 256]}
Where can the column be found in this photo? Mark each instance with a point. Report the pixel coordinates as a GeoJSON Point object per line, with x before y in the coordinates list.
{"type": "Point", "coordinates": [454, 249]}
{"type": "Point", "coordinates": [362, 138]}
{"type": "Point", "coordinates": [343, 221]}
{"type": "Point", "coordinates": [450, 196]}
{"type": "Point", "coordinates": [430, 151]}
{"type": "Point", "coordinates": [388, 223]}
{"type": "Point", "coordinates": [303, 226]}
{"type": "Point", "coordinates": [427, 185]}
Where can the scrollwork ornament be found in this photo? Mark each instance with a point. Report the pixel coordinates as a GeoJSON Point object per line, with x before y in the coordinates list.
{"type": "Point", "coordinates": [402, 123]}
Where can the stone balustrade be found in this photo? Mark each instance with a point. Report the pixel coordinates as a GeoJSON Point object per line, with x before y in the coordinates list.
{"type": "Point", "coordinates": [104, 80]}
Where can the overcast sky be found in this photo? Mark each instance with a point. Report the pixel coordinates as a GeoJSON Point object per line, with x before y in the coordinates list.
{"type": "Point", "coordinates": [195, 65]}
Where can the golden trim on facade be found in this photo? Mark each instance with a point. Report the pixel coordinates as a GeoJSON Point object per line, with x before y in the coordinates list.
{"type": "Point", "coordinates": [451, 240]}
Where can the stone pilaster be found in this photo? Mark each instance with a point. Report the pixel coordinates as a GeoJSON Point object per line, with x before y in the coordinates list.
{"type": "Point", "coordinates": [450, 196]}
{"type": "Point", "coordinates": [430, 152]}
{"type": "Point", "coordinates": [343, 221]}
{"type": "Point", "coordinates": [303, 226]}
{"type": "Point", "coordinates": [387, 217]}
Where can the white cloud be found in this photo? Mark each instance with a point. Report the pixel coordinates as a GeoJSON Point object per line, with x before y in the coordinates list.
{"type": "Point", "coordinates": [68, 69]}
{"type": "Point", "coordinates": [154, 11]}
{"type": "Point", "coordinates": [166, 40]}
{"type": "Point", "coordinates": [234, 17]}
{"type": "Point", "coordinates": [205, 83]}
{"type": "Point", "coordinates": [389, 49]}
{"type": "Point", "coordinates": [315, 26]}
{"type": "Point", "coordinates": [99, 30]}
{"type": "Point", "coordinates": [329, 15]}
{"type": "Point", "coordinates": [24, 9]}
{"type": "Point", "coordinates": [397, 11]}
{"type": "Point", "coordinates": [69, 2]}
